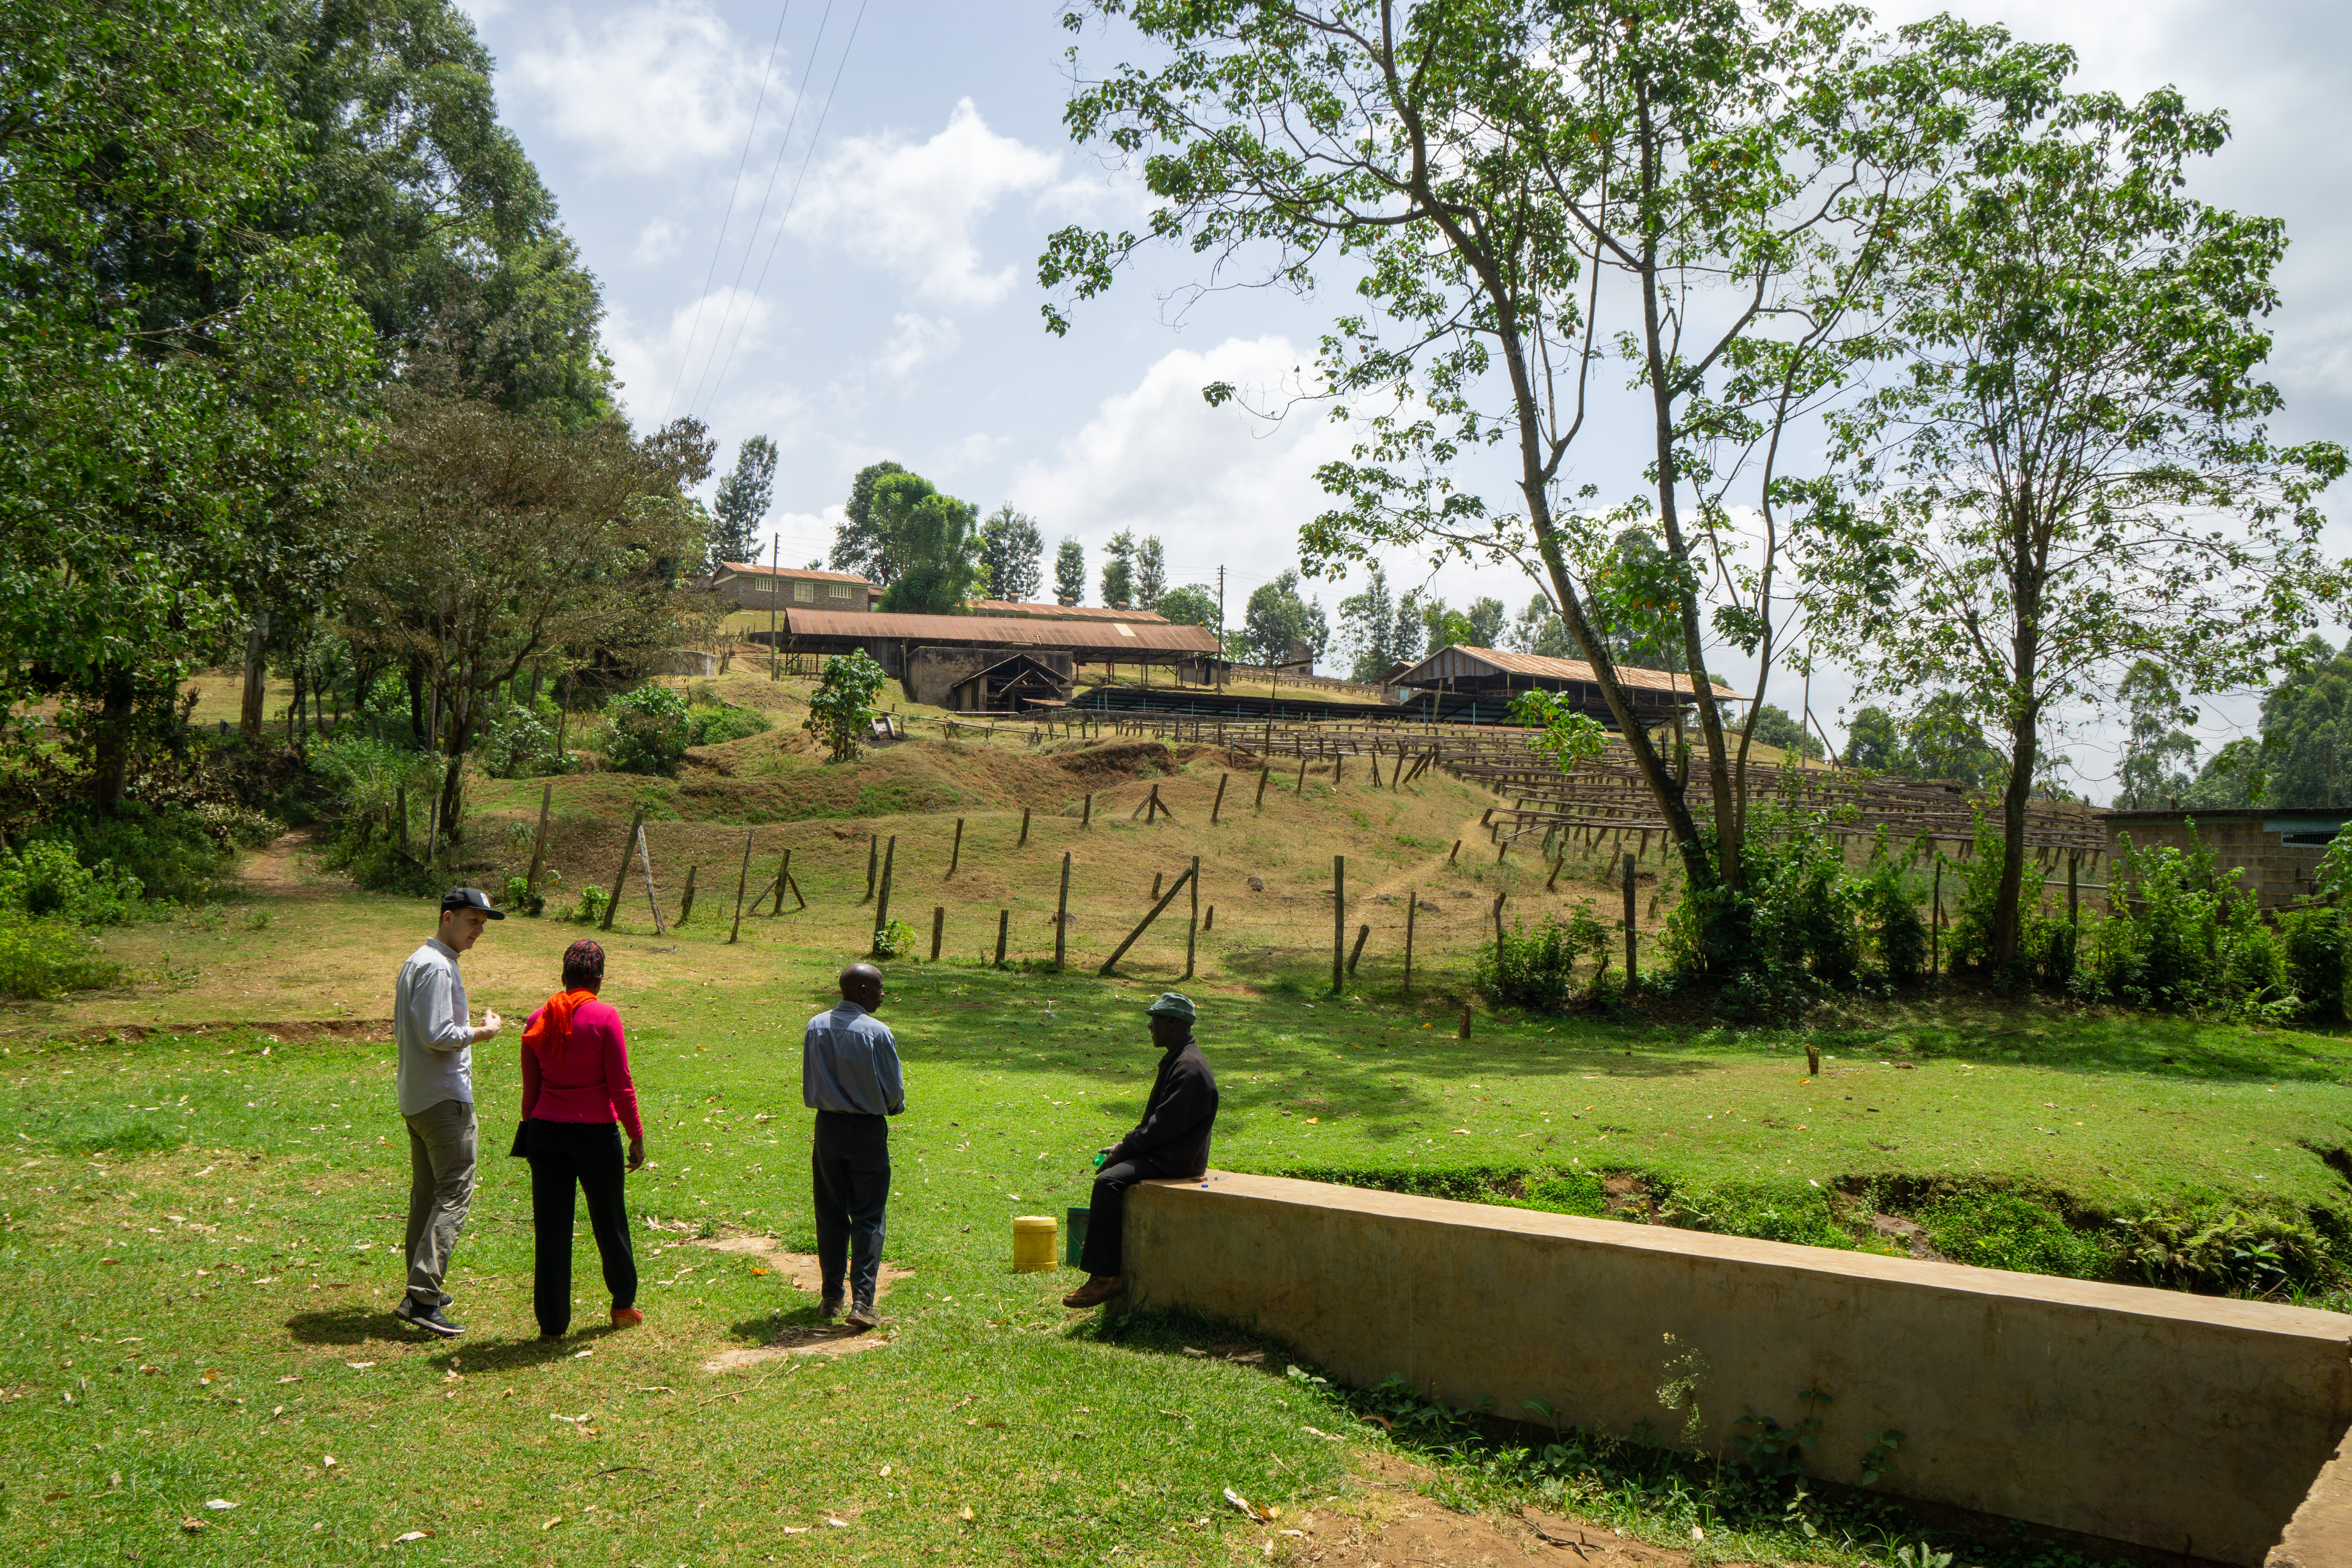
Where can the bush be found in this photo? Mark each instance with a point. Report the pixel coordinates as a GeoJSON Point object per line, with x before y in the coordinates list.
{"type": "Point", "coordinates": [1537, 969]}
{"type": "Point", "coordinates": [649, 731]}
{"type": "Point", "coordinates": [372, 779]}
{"type": "Point", "coordinates": [176, 856]}
{"type": "Point", "coordinates": [894, 940]}
{"type": "Point", "coordinates": [2222, 1250]}
{"type": "Point", "coordinates": [719, 722]}
{"type": "Point", "coordinates": [43, 877]}
{"type": "Point", "coordinates": [592, 900]}
{"type": "Point", "coordinates": [2181, 938]}
{"type": "Point", "coordinates": [45, 959]}
{"type": "Point", "coordinates": [2013, 1231]}
{"type": "Point", "coordinates": [1793, 932]}
{"type": "Point", "coordinates": [842, 706]}
{"type": "Point", "coordinates": [1889, 895]}
{"type": "Point", "coordinates": [2317, 964]}
{"type": "Point", "coordinates": [519, 742]}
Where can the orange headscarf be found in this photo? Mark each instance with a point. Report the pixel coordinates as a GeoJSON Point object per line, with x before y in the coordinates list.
{"type": "Point", "coordinates": [549, 1032]}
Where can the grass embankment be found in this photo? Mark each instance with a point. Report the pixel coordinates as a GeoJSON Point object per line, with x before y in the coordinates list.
{"type": "Point", "coordinates": [203, 1231]}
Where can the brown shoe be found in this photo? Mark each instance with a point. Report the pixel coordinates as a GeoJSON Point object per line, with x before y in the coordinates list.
{"type": "Point", "coordinates": [1101, 1288]}
{"type": "Point", "coordinates": [627, 1317]}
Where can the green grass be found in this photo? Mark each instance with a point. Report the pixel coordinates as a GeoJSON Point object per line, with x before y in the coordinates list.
{"type": "Point", "coordinates": [227, 1207]}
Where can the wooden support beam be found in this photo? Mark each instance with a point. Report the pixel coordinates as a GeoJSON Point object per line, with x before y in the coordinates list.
{"type": "Point", "coordinates": [621, 877]}
{"type": "Point", "coordinates": [1133, 936]}
{"type": "Point", "coordinates": [741, 877]}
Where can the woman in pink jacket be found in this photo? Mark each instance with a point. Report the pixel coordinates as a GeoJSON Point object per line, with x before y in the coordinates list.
{"type": "Point", "coordinates": [575, 1082]}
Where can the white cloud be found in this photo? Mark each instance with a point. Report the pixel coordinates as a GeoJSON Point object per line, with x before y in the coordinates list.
{"type": "Point", "coordinates": [979, 448]}
{"type": "Point", "coordinates": [649, 89]}
{"type": "Point", "coordinates": [663, 370]}
{"type": "Point", "coordinates": [918, 340]}
{"type": "Point", "coordinates": [657, 242]}
{"type": "Point", "coordinates": [914, 206]}
{"type": "Point", "coordinates": [1217, 485]}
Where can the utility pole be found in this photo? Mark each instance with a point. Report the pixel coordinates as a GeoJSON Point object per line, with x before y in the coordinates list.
{"type": "Point", "coordinates": [775, 591]}
{"type": "Point", "coordinates": [1221, 628]}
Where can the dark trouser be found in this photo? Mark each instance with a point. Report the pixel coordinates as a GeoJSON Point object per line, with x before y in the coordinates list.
{"type": "Point", "coordinates": [588, 1153]}
{"type": "Point", "coordinates": [441, 1149]}
{"type": "Point", "coordinates": [851, 1167]}
{"type": "Point", "coordinates": [1107, 1208]}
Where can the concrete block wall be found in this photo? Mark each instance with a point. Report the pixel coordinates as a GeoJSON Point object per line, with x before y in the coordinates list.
{"type": "Point", "coordinates": [2185, 1424]}
{"type": "Point", "coordinates": [2276, 873]}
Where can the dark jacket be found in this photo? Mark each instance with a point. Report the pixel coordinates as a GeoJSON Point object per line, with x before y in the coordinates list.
{"type": "Point", "coordinates": [1178, 1118]}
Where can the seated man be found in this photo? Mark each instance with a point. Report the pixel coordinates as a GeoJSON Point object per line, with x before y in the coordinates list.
{"type": "Point", "coordinates": [1171, 1141]}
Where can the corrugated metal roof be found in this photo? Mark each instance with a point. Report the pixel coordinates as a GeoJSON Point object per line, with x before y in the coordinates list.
{"type": "Point", "coordinates": [1112, 638]}
{"type": "Point", "coordinates": [752, 569]}
{"type": "Point", "coordinates": [1453, 663]}
{"type": "Point", "coordinates": [1067, 612]}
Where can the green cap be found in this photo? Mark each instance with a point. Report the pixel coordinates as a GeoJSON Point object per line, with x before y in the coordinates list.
{"type": "Point", "coordinates": [1172, 1005]}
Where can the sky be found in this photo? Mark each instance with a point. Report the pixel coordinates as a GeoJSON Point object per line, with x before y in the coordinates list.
{"type": "Point", "coordinates": [820, 222]}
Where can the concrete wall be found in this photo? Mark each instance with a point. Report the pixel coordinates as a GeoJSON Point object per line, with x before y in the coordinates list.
{"type": "Point", "coordinates": [2277, 871]}
{"type": "Point", "coordinates": [2183, 1423]}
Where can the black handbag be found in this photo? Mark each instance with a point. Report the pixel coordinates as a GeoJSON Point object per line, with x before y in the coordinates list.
{"type": "Point", "coordinates": [522, 1136]}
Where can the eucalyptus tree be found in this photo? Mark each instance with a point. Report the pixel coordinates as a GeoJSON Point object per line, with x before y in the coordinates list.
{"type": "Point", "coordinates": [1011, 550]}
{"type": "Point", "coordinates": [742, 503]}
{"type": "Point", "coordinates": [2073, 471]}
{"type": "Point", "coordinates": [1478, 169]}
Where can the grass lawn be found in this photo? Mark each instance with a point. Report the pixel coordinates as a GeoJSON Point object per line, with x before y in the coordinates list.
{"type": "Point", "coordinates": [201, 1235]}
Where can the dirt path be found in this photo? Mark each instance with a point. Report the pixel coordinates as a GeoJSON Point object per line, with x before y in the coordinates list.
{"type": "Point", "coordinates": [279, 871]}
{"type": "Point", "coordinates": [1382, 1520]}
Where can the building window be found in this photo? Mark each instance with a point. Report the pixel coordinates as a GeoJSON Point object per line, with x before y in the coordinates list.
{"type": "Point", "coordinates": [804, 592]}
{"type": "Point", "coordinates": [836, 590]}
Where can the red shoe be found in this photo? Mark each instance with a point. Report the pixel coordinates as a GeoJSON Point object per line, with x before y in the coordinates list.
{"type": "Point", "coordinates": [627, 1317]}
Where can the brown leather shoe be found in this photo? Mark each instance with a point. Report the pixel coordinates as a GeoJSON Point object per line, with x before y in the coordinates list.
{"type": "Point", "coordinates": [627, 1317]}
{"type": "Point", "coordinates": [1101, 1288]}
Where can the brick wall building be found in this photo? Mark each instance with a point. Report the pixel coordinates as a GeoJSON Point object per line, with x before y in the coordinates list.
{"type": "Point", "coordinates": [2279, 851]}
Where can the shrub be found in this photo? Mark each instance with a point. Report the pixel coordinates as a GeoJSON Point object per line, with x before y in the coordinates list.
{"type": "Point", "coordinates": [44, 959]}
{"type": "Point", "coordinates": [592, 900]}
{"type": "Point", "coordinates": [2179, 937]}
{"type": "Point", "coordinates": [840, 708]}
{"type": "Point", "coordinates": [174, 855]}
{"type": "Point", "coordinates": [2317, 963]}
{"type": "Point", "coordinates": [1537, 969]}
{"type": "Point", "coordinates": [2013, 1231]}
{"type": "Point", "coordinates": [1793, 932]}
{"type": "Point", "coordinates": [648, 731]}
{"type": "Point", "coordinates": [1888, 896]}
{"type": "Point", "coordinates": [894, 940]}
{"type": "Point", "coordinates": [519, 742]}
{"type": "Point", "coordinates": [372, 779]}
{"type": "Point", "coordinates": [719, 722]}
{"type": "Point", "coordinates": [44, 878]}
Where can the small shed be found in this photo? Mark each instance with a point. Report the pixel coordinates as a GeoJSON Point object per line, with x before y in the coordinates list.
{"type": "Point", "coordinates": [1009, 685]}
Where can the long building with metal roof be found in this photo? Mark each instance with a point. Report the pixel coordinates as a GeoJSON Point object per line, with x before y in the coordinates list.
{"type": "Point", "coordinates": [1479, 684]}
{"type": "Point", "coordinates": [932, 656]}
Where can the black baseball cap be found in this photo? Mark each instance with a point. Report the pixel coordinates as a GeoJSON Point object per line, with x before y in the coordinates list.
{"type": "Point", "coordinates": [469, 898]}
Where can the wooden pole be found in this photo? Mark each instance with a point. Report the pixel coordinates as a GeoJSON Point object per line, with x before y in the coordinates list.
{"type": "Point", "coordinates": [1192, 931]}
{"type": "Point", "coordinates": [1062, 914]}
{"type": "Point", "coordinates": [1132, 936]}
{"type": "Point", "coordinates": [872, 861]}
{"type": "Point", "coordinates": [938, 929]}
{"type": "Point", "coordinates": [1300, 789]}
{"type": "Point", "coordinates": [1209, 919]}
{"type": "Point", "coordinates": [882, 904]}
{"type": "Point", "coordinates": [955, 855]}
{"type": "Point", "coordinates": [1464, 1032]}
{"type": "Point", "coordinates": [686, 901]}
{"type": "Point", "coordinates": [1223, 780]}
{"type": "Point", "coordinates": [1025, 829]}
{"type": "Point", "coordinates": [1450, 854]}
{"type": "Point", "coordinates": [742, 877]}
{"type": "Point", "coordinates": [1003, 920]}
{"type": "Point", "coordinates": [621, 877]}
{"type": "Point", "coordinates": [1358, 950]}
{"type": "Point", "coordinates": [1087, 820]}
{"type": "Point", "coordinates": [783, 880]}
{"type": "Point", "coordinates": [1936, 923]}
{"type": "Point", "coordinates": [1412, 908]}
{"type": "Point", "coordinates": [1264, 774]}
{"type": "Point", "coordinates": [399, 808]}
{"type": "Point", "coordinates": [1498, 926]}
{"type": "Point", "coordinates": [646, 864]}
{"type": "Point", "coordinates": [2074, 894]}
{"type": "Point", "coordinates": [1555, 870]}
{"type": "Point", "coordinates": [1338, 919]}
{"type": "Point", "coordinates": [1632, 976]}
{"type": "Point", "coordinates": [538, 845]}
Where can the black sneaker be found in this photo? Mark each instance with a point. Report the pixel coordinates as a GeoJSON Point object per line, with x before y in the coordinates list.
{"type": "Point", "coordinates": [829, 1308]}
{"type": "Point", "coordinates": [861, 1317]}
{"type": "Point", "coordinates": [429, 1319]}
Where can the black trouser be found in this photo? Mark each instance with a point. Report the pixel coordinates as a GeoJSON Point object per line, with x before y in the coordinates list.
{"type": "Point", "coordinates": [1107, 1209]}
{"type": "Point", "coordinates": [850, 1166]}
{"type": "Point", "coordinates": [588, 1153]}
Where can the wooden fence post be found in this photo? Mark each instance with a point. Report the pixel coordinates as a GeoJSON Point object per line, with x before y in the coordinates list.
{"type": "Point", "coordinates": [1412, 908]}
{"type": "Point", "coordinates": [938, 929]}
{"type": "Point", "coordinates": [1357, 952]}
{"type": "Point", "coordinates": [1498, 927]}
{"type": "Point", "coordinates": [1062, 915]}
{"type": "Point", "coordinates": [1025, 829]}
{"type": "Point", "coordinates": [1004, 918]}
{"type": "Point", "coordinates": [1192, 931]}
{"type": "Point", "coordinates": [955, 855]}
{"type": "Point", "coordinates": [1555, 870]}
{"type": "Point", "coordinates": [1338, 919]}
{"type": "Point", "coordinates": [1450, 854]}
{"type": "Point", "coordinates": [621, 877]}
{"type": "Point", "coordinates": [1632, 976]}
{"type": "Point", "coordinates": [1133, 936]}
{"type": "Point", "coordinates": [1223, 780]}
{"type": "Point", "coordinates": [646, 864]}
{"type": "Point", "coordinates": [685, 900]}
{"type": "Point", "coordinates": [873, 860]}
{"type": "Point", "coordinates": [538, 845]}
{"type": "Point", "coordinates": [1264, 774]}
{"type": "Point", "coordinates": [742, 879]}
{"type": "Point", "coordinates": [783, 880]}
{"type": "Point", "coordinates": [882, 905]}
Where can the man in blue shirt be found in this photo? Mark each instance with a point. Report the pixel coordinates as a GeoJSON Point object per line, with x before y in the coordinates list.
{"type": "Point", "coordinates": [849, 1077]}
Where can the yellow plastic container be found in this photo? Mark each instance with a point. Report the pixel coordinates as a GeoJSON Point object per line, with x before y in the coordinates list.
{"type": "Point", "coordinates": [1033, 1243]}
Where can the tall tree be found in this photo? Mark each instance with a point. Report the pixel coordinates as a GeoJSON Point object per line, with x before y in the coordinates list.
{"type": "Point", "coordinates": [1150, 573]}
{"type": "Point", "coordinates": [742, 503]}
{"type": "Point", "coordinates": [1190, 606]}
{"type": "Point", "coordinates": [1474, 170]}
{"type": "Point", "coordinates": [2075, 474]}
{"type": "Point", "coordinates": [1370, 626]}
{"type": "Point", "coordinates": [1070, 573]}
{"type": "Point", "coordinates": [491, 538]}
{"type": "Point", "coordinates": [1011, 552]}
{"type": "Point", "coordinates": [861, 544]}
{"type": "Point", "coordinates": [1874, 743]}
{"type": "Point", "coordinates": [938, 544]}
{"type": "Point", "coordinates": [176, 379]}
{"type": "Point", "coordinates": [1539, 631]}
{"type": "Point", "coordinates": [1279, 621]}
{"type": "Point", "coordinates": [1118, 571]}
{"type": "Point", "coordinates": [2157, 751]}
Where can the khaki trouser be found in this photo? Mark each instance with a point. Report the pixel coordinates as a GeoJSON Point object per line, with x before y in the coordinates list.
{"type": "Point", "coordinates": [441, 1145]}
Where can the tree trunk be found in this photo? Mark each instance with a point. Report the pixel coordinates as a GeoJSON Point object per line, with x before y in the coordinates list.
{"type": "Point", "coordinates": [452, 775]}
{"type": "Point", "coordinates": [2008, 911]}
{"type": "Point", "coordinates": [256, 640]}
{"type": "Point", "coordinates": [416, 700]}
{"type": "Point", "coordinates": [116, 711]}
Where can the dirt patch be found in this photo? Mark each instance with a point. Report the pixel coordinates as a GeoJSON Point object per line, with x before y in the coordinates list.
{"type": "Point", "coordinates": [1624, 1193]}
{"type": "Point", "coordinates": [270, 1033]}
{"type": "Point", "coordinates": [800, 1270]}
{"type": "Point", "coordinates": [1909, 1235]}
{"type": "Point", "coordinates": [279, 871]}
{"type": "Point", "coordinates": [1382, 1518]}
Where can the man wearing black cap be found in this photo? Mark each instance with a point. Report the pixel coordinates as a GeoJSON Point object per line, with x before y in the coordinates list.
{"type": "Point", "coordinates": [437, 1101]}
{"type": "Point", "coordinates": [1171, 1141]}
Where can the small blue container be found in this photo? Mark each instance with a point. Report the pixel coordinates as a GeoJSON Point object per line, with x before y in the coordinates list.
{"type": "Point", "coordinates": [1073, 1233]}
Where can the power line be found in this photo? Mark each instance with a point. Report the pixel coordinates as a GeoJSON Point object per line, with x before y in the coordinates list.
{"type": "Point", "coordinates": [750, 131]}
{"type": "Point", "coordinates": [790, 202]}
{"type": "Point", "coordinates": [751, 242]}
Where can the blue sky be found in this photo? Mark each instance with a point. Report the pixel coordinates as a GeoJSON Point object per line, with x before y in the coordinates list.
{"type": "Point", "coordinates": [874, 295]}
